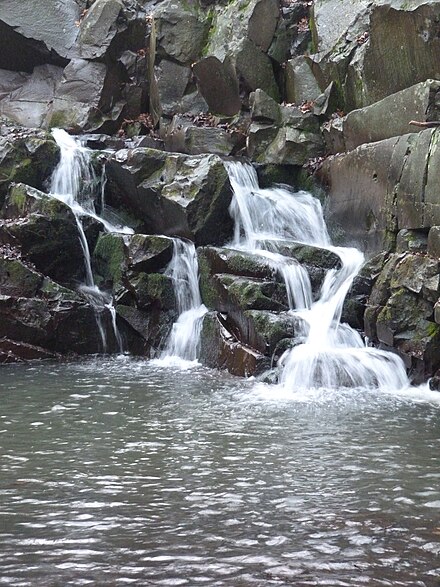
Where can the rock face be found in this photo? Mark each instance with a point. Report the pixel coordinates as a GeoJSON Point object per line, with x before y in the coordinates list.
{"type": "Point", "coordinates": [173, 194]}
{"type": "Point", "coordinates": [74, 61]}
{"type": "Point", "coordinates": [389, 117]}
{"type": "Point", "coordinates": [350, 43]}
{"type": "Point", "coordinates": [380, 188]}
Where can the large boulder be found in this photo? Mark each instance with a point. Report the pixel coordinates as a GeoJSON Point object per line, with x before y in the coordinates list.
{"type": "Point", "coordinates": [401, 310]}
{"type": "Point", "coordinates": [99, 27]}
{"type": "Point", "coordinates": [181, 30]}
{"type": "Point", "coordinates": [183, 136]}
{"type": "Point", "coordinates": [173, 194]}
{"type": "Point", "coordinates": [41, 319]}
{"type": "Point", "coordinates": [235, 54]}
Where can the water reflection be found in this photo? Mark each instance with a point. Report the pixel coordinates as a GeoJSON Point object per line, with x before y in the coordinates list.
{"type": "Point", "coordinates": [120, 472]}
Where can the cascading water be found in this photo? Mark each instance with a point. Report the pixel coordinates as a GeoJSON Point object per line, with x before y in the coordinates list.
{"type": "Point", "coordinates": [74, 182]}
{"type": "Point", "coordinates": [327, 354]}
{"type": "Point", "coordinates": [184, 339]}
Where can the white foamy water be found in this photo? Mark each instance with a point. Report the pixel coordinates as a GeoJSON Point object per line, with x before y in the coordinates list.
{"type": "Point", "coordinates": [75, 183]}
{"type": "Point", "coordinates": [328, 354]}
{"type": "Point", "coordinates": [184, 339]}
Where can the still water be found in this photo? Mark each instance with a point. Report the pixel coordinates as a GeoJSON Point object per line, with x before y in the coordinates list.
{"type": "Point", "coordinates": [120, 472]}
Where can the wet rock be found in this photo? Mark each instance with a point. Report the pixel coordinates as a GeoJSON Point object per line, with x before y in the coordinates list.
{"type": "Point", "coordinates": [310, 255]}
{"type": "Point", "coordinates": [174, 194]}
{"type": "Point", "coordinates": [12, 351]}
{"type": "Point", "coordinates": [110, 260]}
{"type": "Point", "coordinates": [250, 294]}
{"type": "Point", "coordinates": [46, 232]}
{"type": "Point", "coordinates": [265, 330]}
{"type": "Point", "coordinates": [149, 253]}
{"type": "Point", "coordinates": [151, 326]}
{"type": "Point", "coordinates": [25, 156]}
{"type": "Point", "coordinates": [220, 349]}
{"type": "Point", "coordinates": [152, 291]}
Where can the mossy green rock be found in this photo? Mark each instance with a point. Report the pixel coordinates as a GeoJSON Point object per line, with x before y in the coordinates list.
{"type": "Point", "coordinates": [26, 156]}
{"type": "Point", "coordinates": [268, 329]}
{"type": "Point", "coordinates": [253, 294]}
{"type": "Point", "coordinates": [110, 259]}
{"type": "Point", "coordinates": [152, 289]}
{"type": "Point", "coordinates": [403, 313]}
{"type": "Point", "coordinates": [17, 279]}
{"type": "Point", "coordinates": [149, 253]}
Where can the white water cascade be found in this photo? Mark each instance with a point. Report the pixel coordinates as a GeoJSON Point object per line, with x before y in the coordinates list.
{"type": "Point", "coordinates": [328, 354]}
{"type": "Point", "coordinates": [74, 182]}
{"type": "Point", "coordinates": [184, 339]}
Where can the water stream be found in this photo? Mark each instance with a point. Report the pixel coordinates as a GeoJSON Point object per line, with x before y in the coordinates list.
{"type": "Point", "coordinates": [183, 341]}
{"type": "Point", "coordinates": [327, 354]}
{"type": "Point", "coordinates": [75, 183]}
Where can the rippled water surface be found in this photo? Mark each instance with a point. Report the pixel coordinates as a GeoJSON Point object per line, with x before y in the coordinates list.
{"type": "Point", "coordinates": [125, 473]}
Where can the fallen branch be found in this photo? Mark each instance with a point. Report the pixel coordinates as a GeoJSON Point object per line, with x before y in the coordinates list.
{"type": "Point", "coordinates": [431, 124]}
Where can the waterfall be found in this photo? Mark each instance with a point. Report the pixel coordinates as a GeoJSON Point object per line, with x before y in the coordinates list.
{"type": "Point", "coordinates": [74, 182]}
{"type": "Point", "coordinates": [326, 353]}
{"type": "Point", "coordinates": [183, 341]}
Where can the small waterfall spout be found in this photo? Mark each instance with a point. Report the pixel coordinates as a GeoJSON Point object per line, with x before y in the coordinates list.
{"type": "Point", "coordinates": [184, 339]}
{"type": "Point", "coordinates": [327, 353]}
{"type": "Point", "coordinates": [75, 183]}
